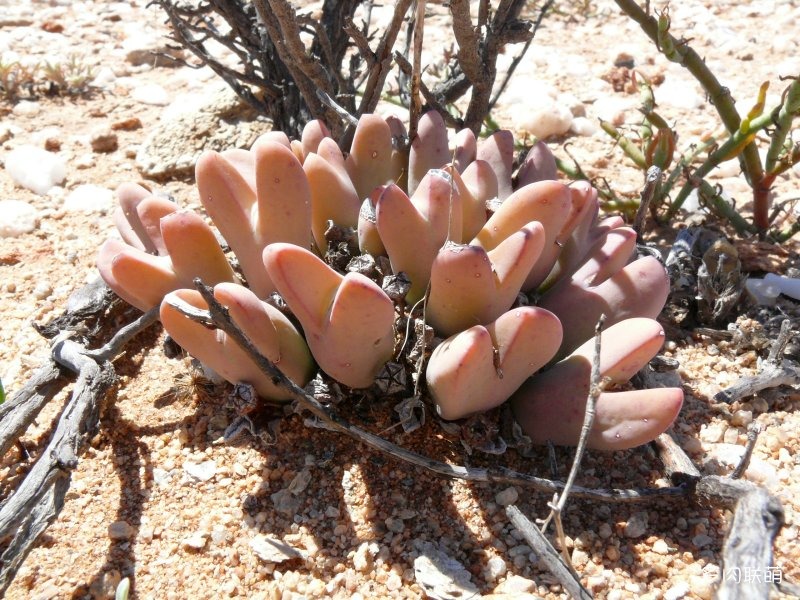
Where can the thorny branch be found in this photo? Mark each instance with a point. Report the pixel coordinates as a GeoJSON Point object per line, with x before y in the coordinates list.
{"type": "Point", "coordinates": [284, 58]}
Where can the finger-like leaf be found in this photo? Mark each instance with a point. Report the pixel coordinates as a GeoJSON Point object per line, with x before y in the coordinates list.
{"type": "Point", "coordinates": [429, 149]}
{"type": "Point", "coordinates": [270, 331]}
{"type": "Point", "coordinates": [470, 286]}
{"type": "Point", "coordinates": [549, 410]}
{"type": "Point", "coordinates": [479, 368]}
{"type": "Point", "coordinates": [369, 162]}
{"type": "Point", "coordinates": [348, 321]}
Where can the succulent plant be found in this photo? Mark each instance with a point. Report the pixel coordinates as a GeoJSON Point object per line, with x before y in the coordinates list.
{"type": "Point", "coordinates": [477, 242]}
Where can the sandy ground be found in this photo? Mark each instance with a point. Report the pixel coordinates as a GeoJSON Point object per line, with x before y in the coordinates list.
{"type": "Point", "coordinates": [135, 510]}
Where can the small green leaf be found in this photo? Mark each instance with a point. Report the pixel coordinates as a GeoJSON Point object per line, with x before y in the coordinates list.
{"type": "Point", "coordinates": [123, 589]}
{"type": "Point", "coordinates": [2, 392]}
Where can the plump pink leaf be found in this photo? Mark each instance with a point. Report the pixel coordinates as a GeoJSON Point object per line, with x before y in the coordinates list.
{"type": "Point", "coordinates": [270, 331]}
{"type": "Point", "coordinates": [470, 286]}
{"type": "Point", "coordinates": [369, 162]}
{"type": "Point", "coordinates": [348, 320]}
{"type": "Point", "coordinates": [539, 165]}
{"type": "Point", "coordinates": [549, 410]}
{"type": "Point", "coordinates": [498, 151]}
{"type": "Point", "coordinates": [638, 290]}
{"type": "Point", "coordinates": [479, 368]}
{"type": "Point", "coordinates": [429, 150]}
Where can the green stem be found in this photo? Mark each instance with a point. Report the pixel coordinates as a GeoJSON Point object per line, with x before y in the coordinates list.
{"type": "Point", "coordinates": [627, 146]}
{"type": "Point", "coordinates": [788, 233]}
{"type": "Point", "coordinates": [680, 52]}
{"type": "Point", "coordinates": [724, 209]}
{"type": "Point", "coordinates": [720, 155]}
{"type": "Point", "coordinates": [783, 122]}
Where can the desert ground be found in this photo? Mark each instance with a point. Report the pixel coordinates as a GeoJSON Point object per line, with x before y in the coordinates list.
{"type": "Point", "coordinates": [158, 498]}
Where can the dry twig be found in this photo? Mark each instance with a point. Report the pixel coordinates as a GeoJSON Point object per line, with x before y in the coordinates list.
{"type": "Point", "coordinates": [38, 500]}
{"type": "Point", "coordinates": [758, 517]}
{"type": "Point", "coordinates": [596, 387]}
{"type": "Point", "coordinates": [772, 373]}
{"type": "Point", "coordinates": [547, 554]}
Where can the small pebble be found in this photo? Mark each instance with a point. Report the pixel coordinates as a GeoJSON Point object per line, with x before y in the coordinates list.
{"type": "Point", "coordinates": [42, 290]}
{"type": "Point", "coordinates": [85, 161]}
{"type": "Point", "coordinates": [637, 525]}
{"type": "Point", "coordinates": [394, 525]}
{"type": "Point", "coordinates": [702, 587]}
{"type": "Point", "coordinates": [196, 541]}
{"type": "Point", "coordinates": [130, 124]}
{"type": "Point", "coordinates": [89, 198]}
{"type": "Point", "coordinates": [713, 432]}
{"type": "Point", "coordinates": [104, 141]}
{"type": "Point", "coordinates": [579, 557]}
{"type": "Point", "coordinates": [507, 496]}
{"type": "Point", "coordinates": [201, 471]}
{"type": "Point", "coordinates": [26, 108]}
{"type": "Point", "coordinates": [362, 559]}
{"type": "Point", "coordinates": [702, 540]}
{"type": "Point", "coordinates": [546, 121]}
{"type": "Point", "coordinates": [660, 547]}
{"type": "Point", "coordinates": [120, 530]}
{"type": "Point", "coordinates": [152, 94]}
{"type": "Point", "coordinates": [604, 531]}
{"type": "Point", "coordinates": [516, 584]}
{"type": "Point", "coordinates": [495, 568]}
{"type": "Point", "coordinates": [759, 405]}
{"type": "Point", "coordinates": [35, 169]}
{"type": "Point", "coordinates": [584, 126]}
{"type": "Point", "coordinates": [677, 591]}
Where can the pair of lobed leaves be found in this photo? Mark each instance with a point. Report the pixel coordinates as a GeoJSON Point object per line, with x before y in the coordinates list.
{"type": "Point", "coordinates": [272, 205]}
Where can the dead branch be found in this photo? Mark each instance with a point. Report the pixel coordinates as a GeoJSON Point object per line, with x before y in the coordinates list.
{"type": "Point", "coordinates": [547, 554]}
{"type": "Point", "coordinates": [38, 500]}
{"type": "Point", "coordinates": [278, 72]}
{"type": "Point", "coordinates": [748, 548]}
{"type": "Point", "coordinates": [596, 387]}
{"type": "Point", "coordinates": [482, 16]}
{"type": "Point", "coordinates": [40, 497]}
{"type": "Point", "coordinates": [477, 55]}
{"type": "Point", "coordinates": [757, 520]}
{"type": "Point", "coordinates": [430, 98]}
{"type": "Point", "coordinates": [752, 436]}
{"type": "Point", "coordinates": [415, 105]}
{"type": "Point", "coordinates": [652, 184]}
{"type": "Point", "coordinates": [21, 410]}
{"type": "Point", "coordinates": [383, 59]}
{"type": "Point", "coordinates": [773, 372]}
{"type": "Point", "coordinates": [679, 467]}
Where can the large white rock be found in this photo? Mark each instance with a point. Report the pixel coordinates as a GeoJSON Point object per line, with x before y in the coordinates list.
{"type": "Point", "coordinates": [89, 198]}
{"type": "Point", "coordinates": [17, 218]}
{"type": "Point", "coordinates": [35, 169]}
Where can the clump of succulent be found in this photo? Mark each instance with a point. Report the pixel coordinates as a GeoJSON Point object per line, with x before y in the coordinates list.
{"type": "Point", "coordinates": [511, 268]}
